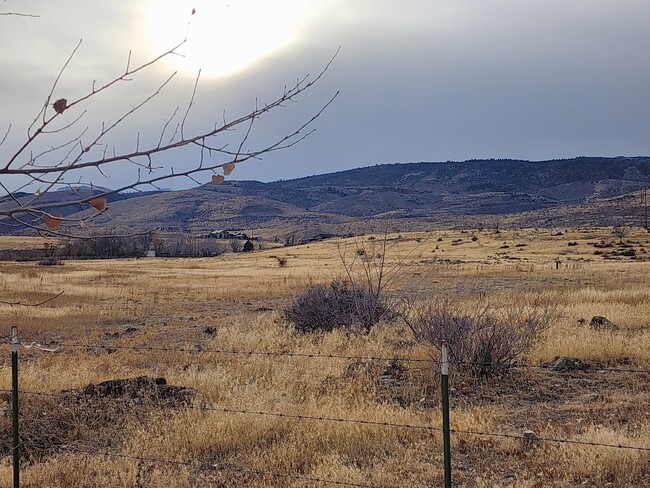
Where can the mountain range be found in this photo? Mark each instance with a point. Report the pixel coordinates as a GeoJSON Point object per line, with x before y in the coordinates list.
{"type": "Point", "coordinates": [579, 191]}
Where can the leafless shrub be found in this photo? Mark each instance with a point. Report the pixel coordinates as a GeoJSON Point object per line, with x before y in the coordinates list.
{"type": "Point", "coordinates": [50, 261]}
{"type": "Point", "coordinates": [282, 261]}
{"type": "Point", "coordinates": [371, 290]}
{"type": "Point", "coordinates": [619, 232]}
{"type": "Point", "coordinates": [94, 416]}
{"type": "Point", "coordinates": [290, 240]}
{"type": "Point", "coordinates": [337, 305]}
{"type": "Point", "coordinates": [235, 245]}
{"type": "Point", "coordinates": [377, 275]}
{"type": "Point", "coordinates": [485, 339]}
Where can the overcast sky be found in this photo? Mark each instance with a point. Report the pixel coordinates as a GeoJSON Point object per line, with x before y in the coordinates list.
{"type": "Point", "coordinates": [419, 80]}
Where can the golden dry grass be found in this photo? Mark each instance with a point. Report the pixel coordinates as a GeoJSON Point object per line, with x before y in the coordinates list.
{"type": "Point", "coordinates": [170, 302]}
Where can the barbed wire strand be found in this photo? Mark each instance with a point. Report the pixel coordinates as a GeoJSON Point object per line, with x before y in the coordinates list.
{"type": "Point", "coordinates": [316, 418]}
{"type": "Point", "coordinates": [548, 367]}
{"type": "Point", "coordinates": [385, 424]}
{"type": "Point", "coordinates": [237, 352]}
{"type": "Point", "coordinates": [11, 450]}
{"type": "Point", "coordinates": [256, 472]}
{"type": "Point", "coordinates": [549, 439]}
{"type": "Point", "coordinates": [269, 414]}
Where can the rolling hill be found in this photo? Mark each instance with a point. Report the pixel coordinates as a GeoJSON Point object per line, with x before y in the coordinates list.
{"type": "Point", "coordinates": [581, 191]}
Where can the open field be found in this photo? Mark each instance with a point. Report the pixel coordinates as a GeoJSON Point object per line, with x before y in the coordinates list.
{"type": "Point", "coordinates": [185, 309]}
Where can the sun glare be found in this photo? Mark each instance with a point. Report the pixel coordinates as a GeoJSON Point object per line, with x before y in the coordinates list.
{"type": "Point", "coordinates": [223, 36]}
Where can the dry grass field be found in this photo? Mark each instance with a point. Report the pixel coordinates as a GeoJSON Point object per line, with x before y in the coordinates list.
{"type": "Point", "coordinates": [187, 310]}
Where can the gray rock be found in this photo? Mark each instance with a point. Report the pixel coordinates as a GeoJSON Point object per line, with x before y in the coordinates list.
{"type": "Point", "coordinates": [529, 438]}
{"type": "Point", "coordinates": [602, 323]}
{"type": "Point", "coordinates": [567, 364]}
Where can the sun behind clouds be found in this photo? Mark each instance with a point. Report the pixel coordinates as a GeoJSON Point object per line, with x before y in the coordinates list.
{"type": "Point", "coordinates": [223, 36]}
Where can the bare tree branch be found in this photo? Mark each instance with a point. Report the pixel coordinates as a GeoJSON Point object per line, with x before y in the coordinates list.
{"type": "Point", "coordinates": [19, 14]}
{"type": "Point", "coordinates": [62, 162]}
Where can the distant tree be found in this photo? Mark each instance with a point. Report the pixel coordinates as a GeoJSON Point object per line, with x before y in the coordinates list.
{"type": "Point", "coordinates": [619, 232]}
{"type": "Point", "coordinates": [235, 245]}
{"type": "Point", "coordinates": [147, 241]}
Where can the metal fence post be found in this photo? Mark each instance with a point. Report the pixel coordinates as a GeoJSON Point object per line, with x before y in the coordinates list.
{"type": "Point", "coordinates": [446, 435]}
{"type": "Point", "coordinates": [14, 404]}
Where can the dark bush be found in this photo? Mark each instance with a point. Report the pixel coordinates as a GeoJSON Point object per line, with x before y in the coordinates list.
{"type": "Point", "coordinates": [50, 261]}
{"type": "Point", "coordinates": [337, 305]}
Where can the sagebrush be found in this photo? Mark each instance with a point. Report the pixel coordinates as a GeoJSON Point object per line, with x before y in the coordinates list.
{"type": "Point", "coordinates": [488, 337]}
{"type": "Point", "coordinates": [341, 304]}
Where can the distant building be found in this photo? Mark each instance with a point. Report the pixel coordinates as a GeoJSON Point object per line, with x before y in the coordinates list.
{"type": "Point", "coordinates": [229, 234]}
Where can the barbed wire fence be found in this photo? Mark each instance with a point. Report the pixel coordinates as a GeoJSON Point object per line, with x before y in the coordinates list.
{"type": "Point", "coordinates": [445, 430]}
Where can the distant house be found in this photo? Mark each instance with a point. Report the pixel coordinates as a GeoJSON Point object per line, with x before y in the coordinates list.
{"type": "Point", "coordinates": [229, 234]}
{"type": "Point", "coordinates": [219, 234]}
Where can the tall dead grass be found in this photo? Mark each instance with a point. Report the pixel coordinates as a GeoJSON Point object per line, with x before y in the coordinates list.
{"type": "Point", "coordinates": [173, 303]}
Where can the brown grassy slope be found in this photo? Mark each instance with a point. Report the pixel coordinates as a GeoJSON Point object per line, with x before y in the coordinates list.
{"type": "Point", "coordinates": [171, 302]}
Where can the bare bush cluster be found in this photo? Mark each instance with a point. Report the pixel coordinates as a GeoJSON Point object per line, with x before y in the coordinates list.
{"type": "Point", "coordinates": [486, 339]}
{"type": "Point", "coordinates": [340, 304]}
{"type": "Point", "coordinates": [372, 289]}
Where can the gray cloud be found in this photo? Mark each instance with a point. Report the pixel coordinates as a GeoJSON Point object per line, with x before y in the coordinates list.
{"type": "Point", "coordinates": [425, 80]}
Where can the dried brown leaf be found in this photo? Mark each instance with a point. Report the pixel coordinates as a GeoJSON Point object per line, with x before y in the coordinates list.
{"type": "Point", "coordinates": [60, 105]}
{"type": "Point", "coordinates": [99, 203]}
{"type": "Point", "coordinates": [52, 221]}
{"type": "Point", "coordinates": [228, 168]}
{"type": "Point", "coordinates": [217, 179]}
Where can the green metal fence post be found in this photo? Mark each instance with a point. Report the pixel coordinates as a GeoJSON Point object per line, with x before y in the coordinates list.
{"type": "Point", "coordinates": [14, 405]}
{"type": "Point", "coordinates": [444, 373]}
